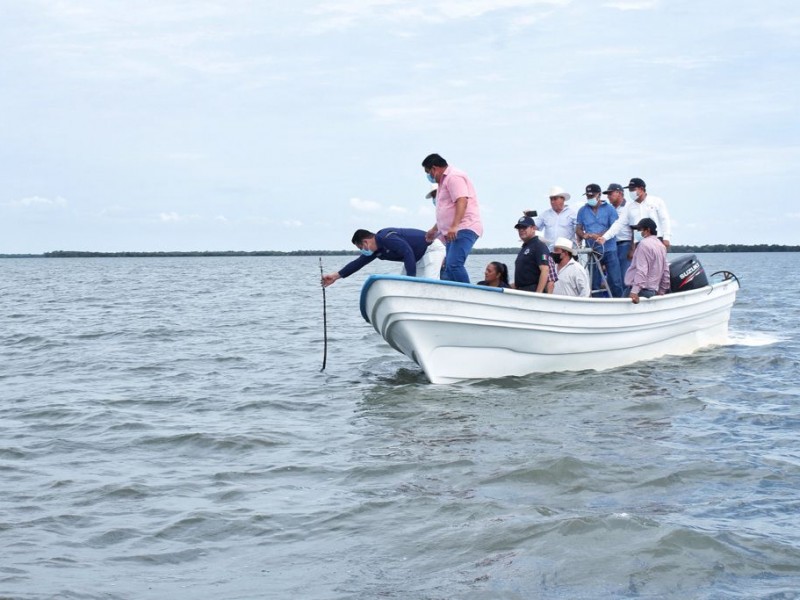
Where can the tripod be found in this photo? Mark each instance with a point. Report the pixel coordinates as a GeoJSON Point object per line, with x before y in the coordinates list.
{"type": "Point", "coordinates": [593, 258]}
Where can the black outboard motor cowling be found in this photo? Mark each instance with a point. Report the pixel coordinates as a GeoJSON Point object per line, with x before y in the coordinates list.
{"type": "Point", "coordinates": [686, 273]}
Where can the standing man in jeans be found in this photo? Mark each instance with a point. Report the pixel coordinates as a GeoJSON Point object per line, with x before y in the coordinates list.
{"type": "Point", "coordinates": [598, 224]}
{"type": "Point", "coordinates": [616, 198]}
{"type": "Point", "coordinates": [458, 216]}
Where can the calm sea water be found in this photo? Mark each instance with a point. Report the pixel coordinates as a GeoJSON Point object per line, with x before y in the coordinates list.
{"type": "Point", "coordinates": [165, 431]}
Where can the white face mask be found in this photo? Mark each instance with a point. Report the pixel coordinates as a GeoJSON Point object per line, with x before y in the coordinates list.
{"type": "Point", "coordinates": [637, 236]}
{"type": "Point", "coordinates": [634, 195]}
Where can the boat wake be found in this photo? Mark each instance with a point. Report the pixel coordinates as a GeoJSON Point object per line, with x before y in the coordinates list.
{"type": "Point", "coordinates": [753, 338]}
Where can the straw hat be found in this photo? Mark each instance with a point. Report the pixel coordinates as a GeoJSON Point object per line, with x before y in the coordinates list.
{"type": "Point", "coordinates": [557, 190]}
{"type": "Point", "coordinates": [565, 244]}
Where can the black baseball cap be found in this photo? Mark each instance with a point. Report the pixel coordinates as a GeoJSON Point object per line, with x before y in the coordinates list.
{"type": "Point", "coordinates": [592, 188]}
{"type": "Point", "coordinates": [525, 222]}
{"type": "Point", "coordinates": [613, 187]}
{"type": "Point", "coordinates": [636, 183]}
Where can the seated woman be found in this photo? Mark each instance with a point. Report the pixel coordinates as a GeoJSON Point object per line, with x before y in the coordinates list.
{"type": "Point", "coordinates": [495, 275]}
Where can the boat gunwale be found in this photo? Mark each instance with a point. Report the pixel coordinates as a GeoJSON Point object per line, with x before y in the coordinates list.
{"type": "Point", "coordinates": [372, 279]}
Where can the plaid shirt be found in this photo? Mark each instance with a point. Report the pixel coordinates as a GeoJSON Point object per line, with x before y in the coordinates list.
{"type": "Point", "coordinates": [552, 276]}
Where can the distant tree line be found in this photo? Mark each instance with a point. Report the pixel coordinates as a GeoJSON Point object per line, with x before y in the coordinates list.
{"type": "Point", "coordinates": [675, 249]}
{"type": "Point", "coordinates": [735, 248]}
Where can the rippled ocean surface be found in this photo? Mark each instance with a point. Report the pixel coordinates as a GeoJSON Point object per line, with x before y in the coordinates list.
{"type": "Point", "coordinates": [166, 432]}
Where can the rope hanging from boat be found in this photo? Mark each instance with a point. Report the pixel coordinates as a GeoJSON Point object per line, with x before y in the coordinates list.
{"type": "Point", "coordinates": [324, 320]}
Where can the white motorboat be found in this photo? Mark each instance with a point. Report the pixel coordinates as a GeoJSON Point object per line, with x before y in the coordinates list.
{"type": "Point", "coordinates": [459, 331]}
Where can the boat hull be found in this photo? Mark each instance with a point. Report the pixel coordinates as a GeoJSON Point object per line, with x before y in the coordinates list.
{"type": "Point", "coordinates": [457, 331]}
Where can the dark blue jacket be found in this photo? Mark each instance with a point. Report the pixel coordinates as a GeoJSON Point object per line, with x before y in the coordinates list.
{"type": "Point", "coordinates": [401, 245]}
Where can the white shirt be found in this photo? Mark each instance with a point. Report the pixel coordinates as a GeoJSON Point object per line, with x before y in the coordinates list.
{"type": "Point", "coordinates": [573, 280]}
{"type": "Point", "coordinates": [553, 225]}
{"type": "Point", "coordinates": [654, 208]}
{"type": "Point", "coordinates": [624, 234]}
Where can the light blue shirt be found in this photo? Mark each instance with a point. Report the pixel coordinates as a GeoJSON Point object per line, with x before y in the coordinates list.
{"type": "Point", "coordinates": [600, 222]}
{"type": "Point", "coordinates": [553, 225]}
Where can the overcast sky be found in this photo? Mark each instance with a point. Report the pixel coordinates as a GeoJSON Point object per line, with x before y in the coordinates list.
{"type": "Point", "coordinates": [281, 125]}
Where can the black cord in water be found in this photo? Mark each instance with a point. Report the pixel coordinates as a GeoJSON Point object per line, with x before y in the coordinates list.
{"type": "Point", "coordinates": [324, 319]}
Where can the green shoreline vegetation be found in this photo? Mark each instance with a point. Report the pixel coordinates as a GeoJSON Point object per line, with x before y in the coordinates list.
{"type": "Point", "coordinates": [675, 249]}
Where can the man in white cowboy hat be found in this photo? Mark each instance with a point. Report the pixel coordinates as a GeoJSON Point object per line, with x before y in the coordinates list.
{"type": "Point", "coordinates": [432, 194]}
{"type": "Point", "coordinates": [559, 220]}
{"type": "Point", "coordinates": [573, 280]}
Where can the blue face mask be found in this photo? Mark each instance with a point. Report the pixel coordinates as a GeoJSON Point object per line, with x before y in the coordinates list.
{"type": "Point", "coordinates": [431, 178]}
{"type": "Point", "coordinates": [433, 200]}
{"type": "Point", "coordinates": [365, 252]}
{"type": "Point", "coordinates": [592, 202]}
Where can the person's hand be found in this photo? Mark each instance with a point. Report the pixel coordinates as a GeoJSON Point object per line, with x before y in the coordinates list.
{"type": "Point", "coordinates": [600, 240]}
{"type": "Point", "coordinates": [430, 235]}
{"type": "Point", "coordinates": [666, 243]}
{"type": "Point", "coordinates": [630, 253]}
{"type": "Point", "coordinates": [634, 297]}
{"type": "Point", "coordinates": [329, 279]}
{"type": "Point", "coordinates": [450, 234]}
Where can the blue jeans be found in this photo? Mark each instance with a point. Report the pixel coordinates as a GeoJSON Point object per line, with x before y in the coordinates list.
{"type": "Point", "coordinates": [457, 252]}
{"type": "Point", "coordinates": [611, 262]}
{"type": "Point", "coordinates": [622, 256]}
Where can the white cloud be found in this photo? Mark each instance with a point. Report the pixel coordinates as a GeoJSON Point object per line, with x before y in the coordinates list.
{"type": "Point", "coordinates": [682, 62]}
{"type": "Point", "coordinates": [471, 9]}
{"type": "Point", "coordinates": [293, 223]}
{"type": "Point", "coordinates": [39, 201]}
{"type": "Point", "coordinates": [364, 205]}
{"type": "Point", "coordinates": [184, 156]}
{"type": "Point", "coordinates": [335, 16]}
{"type": "Point", "coordinates": [633, 4]}
{"type": "Point", "coordinates": [398, 209]}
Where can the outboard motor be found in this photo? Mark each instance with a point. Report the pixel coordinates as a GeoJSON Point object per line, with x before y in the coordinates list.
{"type": "Point", "coordinates": [686, 273]}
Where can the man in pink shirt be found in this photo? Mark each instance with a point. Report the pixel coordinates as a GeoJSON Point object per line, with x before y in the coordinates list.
{"type": "Point", "coordinates": [458, 216]}
{"type": "Point", "coordinates": [648, 274]}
